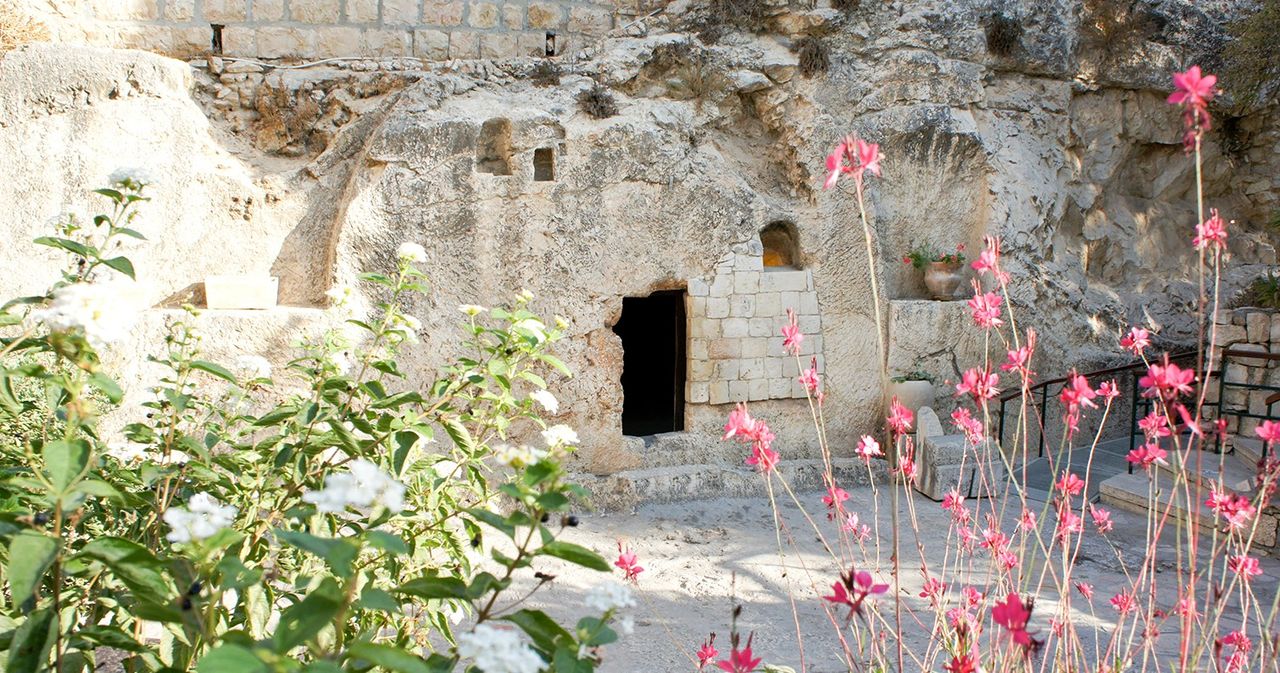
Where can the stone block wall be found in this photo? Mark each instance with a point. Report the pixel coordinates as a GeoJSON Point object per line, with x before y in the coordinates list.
{"type": "Point", "coordinates": [735, 331]}
{"type": "Point", "coordinates": [306, 29]}
{"type": "Point", "coordinates": [1253, 330]}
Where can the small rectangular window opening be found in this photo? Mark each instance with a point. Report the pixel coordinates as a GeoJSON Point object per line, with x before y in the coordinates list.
{"type": "Point", "coordinates": [215, 44]}
{"type": "Point", "coordinates": [652, 330]}
{"type": "Point", "coordinates": [551, 44]}
{"type": "Point", "coordinates": [544, 164]}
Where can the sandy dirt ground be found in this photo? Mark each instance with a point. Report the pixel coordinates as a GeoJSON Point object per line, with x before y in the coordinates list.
{"type": "Point", "coordinates": [701, 555]}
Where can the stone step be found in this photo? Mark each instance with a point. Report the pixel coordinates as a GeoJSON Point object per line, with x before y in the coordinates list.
{"type": "Point", "coordinates": [674, 449]}
{"type": "Point", "coordinates": [1129, 492]}
{"type": "Point", "coordinates": [628, 488]}
{"type": "Point", "coordinates": [1230, 470]}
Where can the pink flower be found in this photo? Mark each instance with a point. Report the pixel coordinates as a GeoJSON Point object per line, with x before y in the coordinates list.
{"type": "Point", "coordinates": [1069, 523]}
{"type": "Point", "coordinates": [853, 589]}
{"type": "Point", "coordinates": [972, 597]}
{"type": "Point", "coordinates": [868, 448]}
{"type": "Point", "coordinates": [1192, 89]}
{"type": "Point", "coordinates": [1109, 390]}
{"type": "Point", "coordinates": [741, 424]}
{"type": "Point", "coordinates": [809, 377]}
{"type": "Point", "coordinates": [852, 156]}
{"type": "Point", "coordinates": [707, 652]}
{"type": "Point", "coordinates": [834, 499]}
{"type": "Point", "coordinates": [1147, 455]}
{"type": "Point", "coordinates": [1076, 395]}
{"type": "Point", "coordinates": [900, 417]}
{"type": "Point", "coordinates": [1236, 510]}
{"type": "Point", "coordinates": [792, 338]}
{"type": "Point", "coordinates": [962, 663]}
{"type": "Point", "coordinates": [1168, 381]}
{"type": "Point", "coordinates": [1013, 615]}
{"type": "Point", "coordinates": [1123, 602]}
{"type": "Point", "coordinates": [1019, 359]}
{"type": "Point", "coordinates": [988, 260]}
{"type": "Point", "coordinates": [906, 462]}
{"type": "Point", "coordinates": [1245, 566]}
{"type": "Point", "coordinates": [861, 531]}
{"type": "Point", "coordinates": [740, 661]}
{"type": "Point", "coordinates": [1136, 341]}
{"type": "Point", "coordinates": [1101, 518]}
{"type": "Point", "coordinates": [1269, 432]}
{"type": "Point", "coordinates": [966, 423]}
{"type": "Point", "coordinates": [627, 562]}
{"type": "Point", "coordinates": [933, 590]}
{"type": "Point", "coordinates": [1070, 484]}
{"type": "Point", "coordinates": [1085, 590]}
{"type": "Point", "coordinates": [1155, 425]}
{"type": "Point", "coordinates": [763, 458]}
{"type": "Point", "coordinates": [1212, 231]}
{"type": "Point", "coordinates": [985, 308]}
{"type": "Point", "coordinates": [954, 502]}
{"type": "Point", "coordinates": [1027, 522]}
{"type": "Point", "coordinates": [982, 385]}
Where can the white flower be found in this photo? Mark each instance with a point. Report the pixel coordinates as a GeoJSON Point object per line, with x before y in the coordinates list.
{"type": "Point", "coordinates": [498, 650]}
{"type": "Point", "coordinates": [445, 468]}
{"type": "Point", "coordinates": [253, 367]}
{"type": "Point", "coordinates": [139, 175]}
{"type": "Point", "coordinates": [364, 486]}
{"type": "Point", "coordinates": [532, 328]}
{"type": "Point", "coordinates": [546, 400]}
{"type": "Point", "coordinates": [627, 625]}
{"type": "Point", "coordinates": [524, 296]}
{"type": "Point", "coordinates": [100, 310]}
{"type": "Point", "coordinates": [610, 595]}
{"type": "Point", "coordinates": [70, 214]}
{"type": "Point", "coordinates": [557, 435]}
{"type": "Point", "coordinates": [405, 328]}
{"type": "Point", "coordinates": [339, 295]}
{"type": "Point", "coordinates": [203, 517]}
{"type": "Point", "coordinates": [126, 452]}
{"type": "Point", "coordinates": [174, 458]}
{"type": "Point", "coordinates": [341, 363]}
{"type": "Point", "coordinates": [518, 456]}
{"type": "Point", "coordinates": [472, 310]}
{"type": "Point", "coordinates": [412, 253]}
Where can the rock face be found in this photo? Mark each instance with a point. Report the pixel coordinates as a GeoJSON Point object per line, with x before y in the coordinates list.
{"type": "Point", "coordinates": [314, 175]}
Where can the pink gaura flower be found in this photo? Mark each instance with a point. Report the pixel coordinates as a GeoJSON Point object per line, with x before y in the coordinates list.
{"type": "Point", "coordinates": [1123, 602]}
{"type": "Point", "coordinates": [852, 156]}
{"type": "Point", "coordinates": [791, 335]}
{"type": "Point", "coordinates": [1193, 89]}
{"type": "Point", "coordinates": [954, 502]}
{"type": "Point", "coordinates": [972, 597]}
{"type": "Point", "coordinates": [1085, 590]}
{"type": "Point", "coordinates": [868, 448]}
{"type": "Point", "coordinates": [982, 385]}
{"type": "Point", "coordinates": [740, 661]}
{"type": "Point", "coordinates": [988, 260]}
{"type": "Point", "coordinates": [1269, 432]}
{"type": "Point", "coordinates": [742, 425]}
{"type": "Point", "coordinates": [1245, 566]}
{"type": "Point", "coordinates": [1236, 510]}
{"type": "Point", "coordinates": [1014, 615]}
{"type": "Point", "coordinates": [834, 500]}
{"type": "Point", "coordinates": [1147, 455]}
{"type": "Point", "coordinates": [1070, 485]}
{"type": "Point", "coordinates": [1019, 360]}
{"type": "Point", "coordinates": [1027, 522]}
{"type": "Point", "coordinates": [1069, 523]}
{"type": "Point", "coordinates": [994, 539]}
{"type": "Point", "coordinates": [853, 589]}
{"type": "Point", "coordinates": [985, 307]}
{"type": "Point", "coordinates": [1075, 396]}
{"type": "Point", "coordinates": [900, 417]}
{"type": "Point", "coordinates": [707, 652]}
{"type": "Point", "coordinates": [628, 563]}
{"type": "Point", "coordinates": [1101, 518]}
{"type": "Point", "coordinates": [763, 458]}
{"type": "Point", "coordinates": [907, 462]}
{"type": "Point", "coordinates": [1167, 380]}
{"type": "Point", "coordinates": [1212, 231]}
{"type": "Point", "coordinates": [1155, 425]}
{"type": "Point", "coordinates": [1137, 341]}
{"type": "Point", "coordinates": [809, 377]}
{"type": "Point", "coordinates": [1109, 390]}
{"type": "Point", "coordinates": [860, 531]}
{"type": "Point", "coordinates": [966, 423]}
{"type": "Point", "coordinates": [962, 663]}
{"type": "Point", "coordinates": [933, 590]}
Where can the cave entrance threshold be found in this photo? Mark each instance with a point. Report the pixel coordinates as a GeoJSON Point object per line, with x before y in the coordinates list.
{"type": "Point", "coordinates": [652, 330]}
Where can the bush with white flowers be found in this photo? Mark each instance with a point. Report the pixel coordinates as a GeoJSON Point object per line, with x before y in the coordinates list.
{"type": "Point", "coordinates": [235, 527]}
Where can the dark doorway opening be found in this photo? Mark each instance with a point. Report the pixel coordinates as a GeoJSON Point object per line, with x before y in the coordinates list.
{"type": "Point", "coordinates": [653, 363]}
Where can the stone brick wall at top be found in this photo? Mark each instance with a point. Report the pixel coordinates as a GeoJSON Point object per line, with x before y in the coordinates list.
{"type": "Point", "coordinates": [1248, 330]}
{"type": "Point", "coordinates": [428, 29]}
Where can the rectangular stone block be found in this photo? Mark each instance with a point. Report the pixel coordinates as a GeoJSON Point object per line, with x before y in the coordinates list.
{"type": "Point", "coordinates": [545, 15]}
{"type": "Point", "coordinates": [179, 10]}
{"type": "Point", "coordinates": [698, 349]}
{"type": "Point", "coordinates": [784, 281]}
{"type": "Point", "coordinates": [315, 11]}
{"type": "Point", "coordinates": [698, 393]}
{"type": "Point", "coordinates": [1230, 334]}
{"type": "Point", "coordinates": [723, 349]}
{"type": "Point", "coordinates": [790, 300]}
{"type": "Point", "coordinates": [696, 305]}
{"type": "Point", "coordinates": [283, 42]}
{"type": "Point", "coordinates": [742, 306]}
{"type": "Point", "coordinates": [1258, 326]}
{"type": "Point", "coordinates": [765, 327]}
{"type": "Point", "coordinates": [746, 282]}
{"type": "Point", "coordinates": [127, 10]}
{"type": "Point", "coordinates": [741, 262]}
{"type": "Point", "coordinates": [401, 12]}
{"type": "Point", "coordinates": [221, 11]}
{"type": "Point", "coordinates": [701, 370]}
{"type": "Point", "coordinates": [719, 392]}
{"type": "Point", "coordinates": [361, 11]}
{"type": "Point", "coordinates": [698, 288]}
{"type": "Point", "coordinates": [464, 44]}
{"type": "Point", "coordinates": [239, 41]}
{"type": "Point", "coordinates": [739, 391]}
{"type": "Point", "coordinates": [936, 481]}
{"type": "Point", "coordinates": [754, 348]}
{"type": "Point", "coordinates": [338, 41]}
{"type": "Point", "coordinates": [440, 13]}
{"type": "Point", "coordinates": [513, 17]}
{"type": "Point", "coordinates": [768, 304]}
{"type": "Point", "coordinates": [751, 368]}
{"type": "Point", "coordinates": [483, 15]}
{"type": "Point", "coordinates": [736, 327]}
{"type": "Point", "coordinates": [595, 21]}
{"type": "Point", "coordinates": [809, 303]}
{"type": "Point", "coordinates": [776, 349]}
{"type": "Point", "coordinates": [725, 370]}
{"type": "Point", "coordinates": [810, 324]}
{"type": "Point", "coordinates": [498, 46]}
{"type": "Point", "coordinates": [773, 368]}
{"type": "Point", "coordinates": [388, 42]}
{"type": "Point", "coordinates": [717, 307]}
{"type": "Point", "coordinates": [779, 388]}
{"type": "Point", "coordinates": [535, 44]}
{"type": "Point", "coordinates": [721, 285]}
{"type": "Point", "coordinates": [758, 390]}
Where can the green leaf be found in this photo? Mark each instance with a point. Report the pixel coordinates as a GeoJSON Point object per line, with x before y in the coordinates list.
{"type": "Point", "coordinates": [231, 659]}
{"type": "Point", "coordinates": [109, 636]}
{"type": "Point", "coordinates": [493, 519]}
{"type": "Point", "coordinates": [542, 629]}
{"type": "Point", "coordinates": [430, 587]}
{"type": "Point", "coordinates": [30, 554]}
{"type": "Point", "coordinates": [133, 233]}
{"type": "Point", "coordinates": [404, 442]}
{"type": "Point", "coordinates": [215, 369]}
{"type": "Point", "coordinates": [66, 244]}
{"type": "Point", "coordinates": [575, 554]}
{"type": "Point", "coordinates": [64, 461]}
{"type": "Point", "coordinates": [9, 402]}
{"type": "Point", "coordinates": [108, 387]}
{"type": "Point", "coordinates": [459, 434]}
{"type": "Point", "coordinates": [235, 575]}
{"type": "Point", "coordinates": [338, 554]}
{"type": "Point", "coordinates": [389, 657]}
{"type": "Point", "coordinates": [32, 642]}
{"type": "Point", "coordinates": [301, 621]}
{"type": "Point", "coordinates": [599, 634]}
{"type": "Point", "coordinates": [121, 264]}
{"type": "Point", "coordinates": [377, 599]}
{"type": "Point", "coordinates": [555, 362]}
{"type": "Point", "coordinates": [135, 566]}
{"type": "Point", "coordinates": [388, 542]}
{"type": "Point", "coordinates": [322, 667]}
{"type": "Point", "coordinates": [100, 489]}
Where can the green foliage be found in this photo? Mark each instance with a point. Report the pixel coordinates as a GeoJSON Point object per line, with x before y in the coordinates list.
{"type": "Point", "coordinates": [921, 255]}
{"type": "Point", "coordinates": [328, 517]}
{"type": "Point", "coordinates": [1263, 292]}
{"type": "Point", "coordinates": [1251, 68]}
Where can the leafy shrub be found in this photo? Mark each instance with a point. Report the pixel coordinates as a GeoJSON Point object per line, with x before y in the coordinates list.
{"type": "Point", "coordinates": [1251, 68]}
{"type": "Point", "coordinates": [1263, 292]}
{"type": "Point", "coordinates": [725, 16]}
{"type": "Point", "coordinates": [598, 102]}
{"type": "Point", "coordinates": [813, 56]}
{"type": "Point", "coordinates": [545, 73]}
{"type": "Point", "coordinates": [1004, 35]}
{"type": "Point", "coordinates": [322, 529]}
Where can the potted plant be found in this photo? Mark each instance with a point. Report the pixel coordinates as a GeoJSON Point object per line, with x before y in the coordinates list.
{"type": "Point", "coordinates": [941, 270]}
{"type": "Point", "coordinates": [913, 390]}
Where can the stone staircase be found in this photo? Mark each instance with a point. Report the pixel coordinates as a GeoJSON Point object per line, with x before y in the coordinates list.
{"type": "Point", "coordinates": [1235, 470]}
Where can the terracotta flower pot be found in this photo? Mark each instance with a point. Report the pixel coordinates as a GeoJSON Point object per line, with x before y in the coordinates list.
{"type": "Point", "coordinates": [942, 279]}
{"type": "Point", "coordinates": [912, 394]}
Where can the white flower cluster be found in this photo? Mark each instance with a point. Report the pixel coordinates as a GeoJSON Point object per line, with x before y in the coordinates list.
{"type": "Point", "coordinates": [518, 456]}
{"type": "Point", "coordinates": [364, 486]}
{"type": "Point", "coordinates": [546, 400]}
{"type": "Point", "coordinates": [412, 253]}
{"type": "Point", "coordinates": [139, 175]}
{"type": "Point", "coordinates": [404, 328]}
{"type": "Point", "coordinates": [498, 650]}
{"type": "Point", "coordinates": [472, 310]}
{"type": "Point", "coordinates": [560, 435]}
{"type": "Point", "coordinates": [202, 518]}
{"type": "Point", "coordinates": [339, 295]}
{"type": "Point", "coordinates": [99, 310]}
{"type": "Point", "coordinates": [608, 596]}
{"type": "Point", "coordinates": [253, 367]}
{"type": "Point", "coordinates": [532, 328]}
